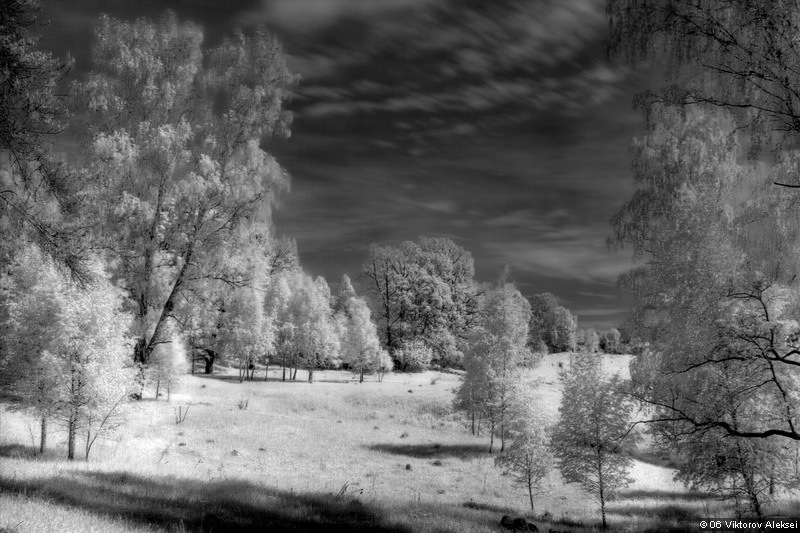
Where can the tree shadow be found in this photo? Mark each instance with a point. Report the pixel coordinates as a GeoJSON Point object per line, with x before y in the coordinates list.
{"type": "Point", "coordinates": [29, 452]}
{"type": "Point", "coordinates": [432, 450]}
{"type": "Point", "coordinates": [194, 505]}
{"type": "Point", "coordinates": [665, 495]}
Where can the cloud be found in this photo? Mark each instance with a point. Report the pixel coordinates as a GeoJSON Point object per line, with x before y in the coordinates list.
{"type": "Point", "coordinates": [309, 15]}
{"type": "Point", "coordinates": [579, 259]}
{"type": "Point", "coordinates": [435, 65]}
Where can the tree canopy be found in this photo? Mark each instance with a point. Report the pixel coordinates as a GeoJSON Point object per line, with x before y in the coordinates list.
{"type": "Point", "coordinates": [177, 177]}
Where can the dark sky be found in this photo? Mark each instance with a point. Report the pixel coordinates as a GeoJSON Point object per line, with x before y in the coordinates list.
{"type": "Point", "coordinates": [499, 124]}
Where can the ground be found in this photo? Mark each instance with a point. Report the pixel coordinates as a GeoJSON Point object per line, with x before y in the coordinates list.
{"type": "Point", "coordinates": [389, 456]}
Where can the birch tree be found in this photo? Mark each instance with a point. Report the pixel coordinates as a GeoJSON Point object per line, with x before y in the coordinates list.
{"type": "Point", "coordinates": [588, 440]}
{"type": "Point", "coordinates": [493, 356]}
{"type": "Point", "coordinates": [177, 174]}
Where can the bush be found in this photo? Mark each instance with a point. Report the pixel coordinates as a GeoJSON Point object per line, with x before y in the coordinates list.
{"type": "Point", "coordinates": [414, 356]}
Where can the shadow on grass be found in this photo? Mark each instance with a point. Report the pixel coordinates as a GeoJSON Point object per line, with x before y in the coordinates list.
{"type": "Point", "coordinates": [429, 451]}
{"type": "Point", "coordinates": [665, 495]}
{"type": "Point", "coordinates": [20, 451]}
{"type": "Point", "coordinates": [233, 378]}
{"type": "Point", "coordinates": [193, 505]}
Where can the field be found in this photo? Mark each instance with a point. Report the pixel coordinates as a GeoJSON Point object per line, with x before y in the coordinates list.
{"type": "Point", "coordinates": [295, 456]}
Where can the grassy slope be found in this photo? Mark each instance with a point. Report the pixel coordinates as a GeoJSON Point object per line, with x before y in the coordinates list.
{"type": "Point", "coordinates": [374, 456]}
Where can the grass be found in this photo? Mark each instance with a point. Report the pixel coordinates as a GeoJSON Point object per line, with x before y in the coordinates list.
{"type": "Point", "coordinates": [305, 457]}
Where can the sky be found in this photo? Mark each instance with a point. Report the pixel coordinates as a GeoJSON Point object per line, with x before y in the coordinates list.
{"type": "Point", "coordinates": [499, 124]}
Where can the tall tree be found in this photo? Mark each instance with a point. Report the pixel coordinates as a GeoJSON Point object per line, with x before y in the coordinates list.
{"type": "Point", "coordinates": [719, 287]}
{"type": "Point", "coordinates": [494, 352]}
{"type": "Point", "coordinates": [424, 291]}
{"type": "Point", "coordinates": [529, 457]}
{"type": "Point", "coordinates": [361, 349]}
{"type": "Point", "coordinates": [589, 437]}
{"type": "Point", "coordinates": [179, 181]}
{"type": "Point", "coordinates": [552, 323]}
{"type": "Point", "coordinates": [300, 309]}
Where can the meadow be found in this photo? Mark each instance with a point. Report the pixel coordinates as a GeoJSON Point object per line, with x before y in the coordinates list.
{"type": "Point", "coordinates": [299, 456]}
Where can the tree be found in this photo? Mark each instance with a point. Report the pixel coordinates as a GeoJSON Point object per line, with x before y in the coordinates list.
{"type": "Point", "coordinates": [719, 288]}
{"type": "Point", "coordinates": [552, 323]}
{"type": "Point", "coordinates": [593, 423]}
{"type": "Point", "coordinates": [360, 347]}
{"type": "Point", "coordinates": [494, 353]}
{"type": "Point", "coordinates": [610, 341]}
{"type": "Point", "coordinates": [423, 290]}
{"type": "Point", "coordinates": [590, 340]}
{"type": "Point", "coordinates": [81, 374]}
{"type": "Point", "coordinates": [36, 191]}
{"type": "Point", "coordinates": [179, 182]}
{"type": "Point", "coordinates": [30, 304]}
{"type": "Point", "coordinates": [529, 457]}
{"type": "Point", "coordinates": [306, 334]}
{"type": "Point", "coordinates": [168, 365]}
{"type": "Point", "coordinates": [740, 56]}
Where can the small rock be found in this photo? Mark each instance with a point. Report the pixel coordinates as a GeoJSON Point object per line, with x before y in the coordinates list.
{"type": "Point", "coordinates": [338, 421]}
{"type": "Point", "coordinates": [404, 435]}
{"type": "Point", "coordinates": [437, 462]}
{"type": "Point", "coordinates": [234, 452]}
{"type": "Point", "coordinates": [440, 491]}
{"type": "Point", "coordinates": [411, 391]}
{"type": "Point", "coordinates": [376, 427]}
{"type": "Point", "coordinates": [408, 466]}
{"type": "Point", "coordinates": [181, 444]}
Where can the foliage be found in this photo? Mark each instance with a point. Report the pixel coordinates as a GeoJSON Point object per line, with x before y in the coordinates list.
{"type": "Point", "coordinates": [178, 182]}
{"type": "Point", "coordinates": [593, 423]}
{"type": "Point", "coordinates": [493, 356]}
{"type": "Point", "coordinates": [423, 290]}
{"type": "Point", "coordinates": [610, 341]}
{"type": "Point", "coordinates": [529, 457]}
{"type": "Point", "coordinates": [167, 366]}
{"type": "Point", "coordinates": [552, 323]}
{"type": "Point", "coordinates": [589, 340]}
{"type": "Point", "coordinates": [414, 356]}
{"type": "Point", "coordinates": [82, 372]}
{"type": "Point", "coordinates": [299, 308]}
{"type": "Point", "coordinates": [740, 56]}
{"type": "Point", "coordinates": [716, 302]}
{"type": "Point", "coordinates": [360, 347]}
{"type": "Point", "coordinates": [36, 192]}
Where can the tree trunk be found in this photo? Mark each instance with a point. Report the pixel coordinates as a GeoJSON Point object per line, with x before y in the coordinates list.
{"type": "Point", "coordinates": [491, 436]}
{"type": "Point", "coordinates": [266, 370]}
{"type": "Point", "coordinates": [158, 386]}
{"type": "Point", "coordinates": [43, 437]}
{"type": "Point", "coordinates": [294, 374]}
{"type": "Point", "coordinates": [502, 437]}
{"type": "Point", "coordinates": [72, 426]}
{"type": "Point", "coordinates": [209, 360]}
{"type": "Point", "coordinates": [530, 492]}
{"type": "Point", "coordinates": [361, 377]}
{"type": "Point", "coordinates": [472, 413]}
{"type": "Point", "coordinates": [310, 376]}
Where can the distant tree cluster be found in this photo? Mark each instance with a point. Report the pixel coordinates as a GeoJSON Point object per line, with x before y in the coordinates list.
{"type": "Point", "coordinates": [552, 325]}
{"type": "Point", "coordinates": [424, 299]}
